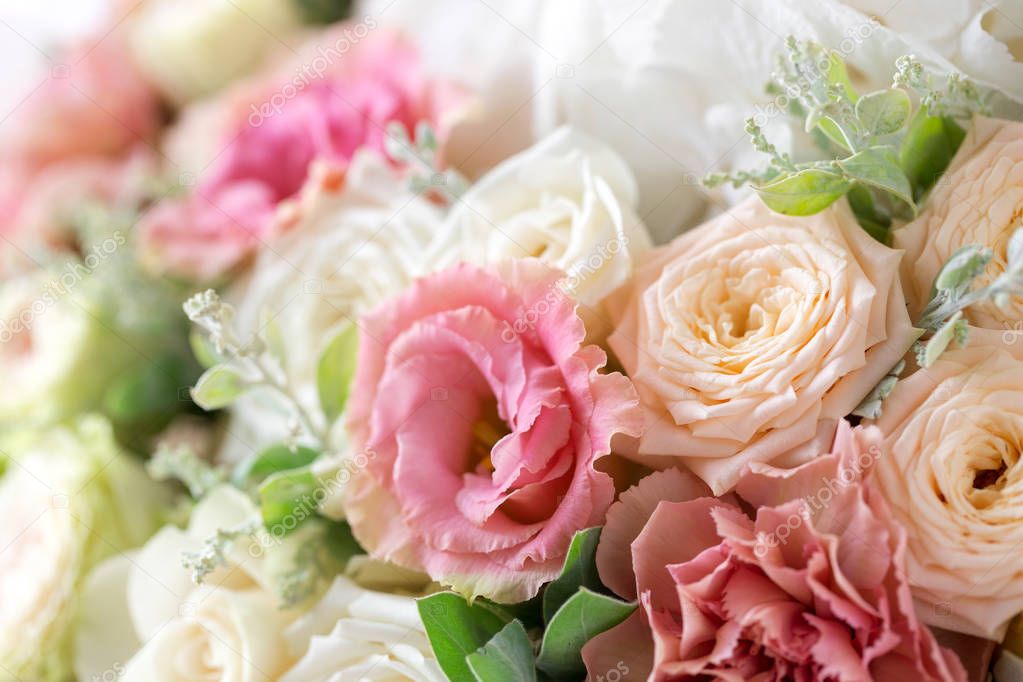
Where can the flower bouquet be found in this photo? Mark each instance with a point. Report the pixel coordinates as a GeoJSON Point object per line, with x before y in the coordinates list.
{"type": "Point", "coordinates": [548, 342]}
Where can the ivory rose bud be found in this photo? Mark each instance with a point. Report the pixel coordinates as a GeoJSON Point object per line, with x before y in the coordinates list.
{"type": "Point", "coordinates": [487, 415]}
{"type": "Point", "coordinates": [191, 48]}
{"type": "Point", "coordinates": [951, 471]}
{"type": "Point", "coordinates": [351, 240]}
{"type": "Point", "coordinates": [749, 337]}
{"type": "Point", "coordinates": [808, 586]}
{"type": "Point", "coordinates": [70, 498]}
{"type": "Point", "coordinates": [979, 200]}
{"type": "Point", "coordinates": [569, 200]}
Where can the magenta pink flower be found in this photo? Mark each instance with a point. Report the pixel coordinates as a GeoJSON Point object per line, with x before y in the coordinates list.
{"type": "Point", "coordinates": [813, 587]}
{"type": "Point", "coordinates": [265, 134]}
{"type": "Point", "coordinates": [481, 416]}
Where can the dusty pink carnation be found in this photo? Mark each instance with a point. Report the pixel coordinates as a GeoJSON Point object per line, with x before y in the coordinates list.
{"type": "Point", "coordinates": [253, 145]}
{"type": "Point", "coordinates": [481, 415]}
{"type": "Point", "coordinates": [813, 587]}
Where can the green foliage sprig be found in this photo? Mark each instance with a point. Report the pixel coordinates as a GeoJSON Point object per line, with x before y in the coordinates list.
{"type": "Point", "coordinates": [885, 157]}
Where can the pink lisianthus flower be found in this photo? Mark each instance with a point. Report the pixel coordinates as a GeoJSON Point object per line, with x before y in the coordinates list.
{"type": "Point", "coordinates": [251, 148]}
{"type": "Point", "coordinates": [812, 587]}
{"type": "Point", "coordinates": [481, 416]}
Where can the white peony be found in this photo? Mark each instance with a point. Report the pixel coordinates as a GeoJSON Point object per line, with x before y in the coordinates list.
{"type": "Point", "coordinates": [668, 83]}
{"type": "Point", "coordinates": [70, 497]}
{"type": "Point", "coordinates": [569, 200]}
{"type": "Point", "coordinates": [350, 240]}
{"type": "Point", "coordinates": [191, 48]}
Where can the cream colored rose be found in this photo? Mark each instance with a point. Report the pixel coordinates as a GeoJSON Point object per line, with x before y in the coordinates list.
{"type": "Point", "coordinates": [952, 475]}
{"type": "Point", "coordinates": [70, 498]}
{"type": "Point", "coordinates": [143, 618]}
{"type": "Point", "coordinates": [750, 336]}
{"type": "Point", "coordinates": [141, 611]}
{"type": "Point", "coordinates": [349, 241]}
{"type": "Point", "coordinates": [191, 48]}
{"type": "Point", "coordinates": [979, 200]}
{"type": "Point", "coordinates": [359, 634]}
{"type": "Point", "coordinates": [569, 200]}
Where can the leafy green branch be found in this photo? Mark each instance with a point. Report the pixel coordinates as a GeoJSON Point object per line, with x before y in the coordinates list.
{"type": "Point", "coordinates": [883, 155]}
{"type": "Point", "coordinates": [942, 320]}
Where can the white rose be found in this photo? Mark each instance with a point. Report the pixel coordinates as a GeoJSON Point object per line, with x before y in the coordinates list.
{"type": "Point", "coordinates": [569, 200]}
{"type": "Point", "coordinates": [668, 83]}
{"type": "Point", "coordinates": [70, 497]}
{"type": "Point", "coordinates": [359, 634]}
{"type": "Point", "coordinates": [191, 48]}
{"type": "Point", "coordinates": [349, 241]}
{"type": "Point", "coordinates": [230, 628]}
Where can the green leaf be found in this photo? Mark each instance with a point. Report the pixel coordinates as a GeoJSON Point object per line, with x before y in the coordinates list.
{"type": "Point", "coordinates": [941, 339]}
{"type": "Point", "coordinates": [585, 615]}
{"type": "Point", "coordinates": [149, 391]}
{"type": "Point", "coordinates": [288, 498]}
{"type": "Point", "coordinates": [579, 570]}
{"type": "Point", "coordinates": [218, 387]}
{"type": "Point", "coordinates": [928, 148]}
{"type": "Point", "coordinates": [507, 656]}
{"type": "Point", "coordinates": [961, 268]}
{"type": "Point", "coordinates": [884, 112]}
{"type": "Point", "coordinates": [270, 461]}
{"type": "Point", "coordinates": [877, 225]}
{"type": "Point", "coordinates": [323, 11]}
{"type": "Point", "coordinates": [203, 349]}
{"type": "Point", "coordinates": [879, 167]}
{"type": "Point", "coordinates": [335, 371]}
{"type": "Point", "coordinates": [838, 74]}
{"type": "Point", "coordinates": [456, 629]}
{"type": "Point", "coordinates": [804, 193]}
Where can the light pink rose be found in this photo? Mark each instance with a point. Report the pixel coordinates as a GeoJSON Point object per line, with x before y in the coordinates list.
{"type": "Point", "coordinates": [979, 200]}
{"type": "Point", "coordinates": [951, 471]}
{"type": "Point", "coordinates": [812, 587]}
{"type": "Point", "coordinates": [482, 416]}
{"type": "Point", "coordinates": [251, 147]}
{"type": "Point", "coordinates": [95, 103]}
{"type": "Point", "coordinates": [750, 336]}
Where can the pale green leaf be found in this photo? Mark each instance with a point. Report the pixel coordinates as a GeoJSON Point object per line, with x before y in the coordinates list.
{"type": "Point", "coordinates": [804, 193]}
{"type": "Point", "coordinates": [335, 371]}
{"type": "Point", "coordinates": [884, 112]}
{"type": "Point", "coordinates": [218, 387]}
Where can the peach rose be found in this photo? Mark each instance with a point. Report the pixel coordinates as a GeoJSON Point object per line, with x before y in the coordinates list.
{"type": "Point", "coordinates": [749, 337]}
{"type": "Point", "coordinates": [979, 200]}
{"type": "Point", "coordinates": [951, 472]}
